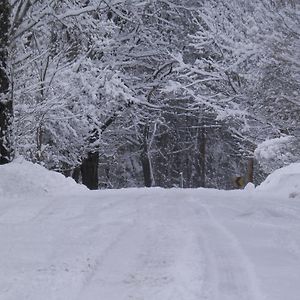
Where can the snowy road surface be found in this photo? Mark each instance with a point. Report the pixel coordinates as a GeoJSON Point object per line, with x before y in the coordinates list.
{"type": "Point", "coordinates": [142, 244]}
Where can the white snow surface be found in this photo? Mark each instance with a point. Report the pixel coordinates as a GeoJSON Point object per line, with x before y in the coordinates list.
{"type": "Point", "coordinates": [24, 179]}
{"type": "Point", "coordinates": [60, 241]}
{"type": "Point", "coordinates": [284, 182]}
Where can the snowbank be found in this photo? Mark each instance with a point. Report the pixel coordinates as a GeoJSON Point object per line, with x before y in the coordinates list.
{"type": "Point", "coordinates": [284, 182]}
{"type": "Point", "coordinates": [22, 178]}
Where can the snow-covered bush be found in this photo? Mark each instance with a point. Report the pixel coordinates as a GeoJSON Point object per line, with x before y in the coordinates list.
{"type": "Point", "coordinates": [275, 153]}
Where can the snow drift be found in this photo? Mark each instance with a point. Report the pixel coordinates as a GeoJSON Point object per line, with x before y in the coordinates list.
{"type": "Point", "coordinates": [21, 178]}
{"type": "Point", "coordinates": [284, 182]}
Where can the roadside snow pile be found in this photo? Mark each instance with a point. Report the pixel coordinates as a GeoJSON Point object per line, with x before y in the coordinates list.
{"type": "Point", "coordinates": [284, 182]}
{"type": "Point", "coordinates": [22, 178]}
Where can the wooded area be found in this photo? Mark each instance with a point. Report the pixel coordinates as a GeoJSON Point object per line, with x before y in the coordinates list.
{"type": "Point", "coordinates": [150, 93]}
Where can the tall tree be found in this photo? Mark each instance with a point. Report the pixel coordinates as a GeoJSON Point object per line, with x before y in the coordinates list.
{"type": "Point", "coordinates": [6, 105]}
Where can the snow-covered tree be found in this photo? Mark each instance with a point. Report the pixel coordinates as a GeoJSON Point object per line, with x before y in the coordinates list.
{"type": "Point", "coordinates": [155, 92]}
{"type": "Point", "coordinates": [6, 105]}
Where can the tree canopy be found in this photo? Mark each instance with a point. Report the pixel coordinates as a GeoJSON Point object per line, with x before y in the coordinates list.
{"type": "Point", "coordinates": [162, 92]}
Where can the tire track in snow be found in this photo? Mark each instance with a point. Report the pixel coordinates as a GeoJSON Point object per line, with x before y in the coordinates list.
{"type": "Point", "coordinates": [94, 281]}
{"type": "Point", "coordinates": [232, 276]}
{"type": "Point", "coordinates": [171, 265]}
{"type": "Point", "coordinates": [156, 257]}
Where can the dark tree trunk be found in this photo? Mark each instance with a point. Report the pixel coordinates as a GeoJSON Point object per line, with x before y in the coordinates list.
{"type": "Point", "coordinates": [89, 165]}
{"type": "Point", "coordinates": [146, 169]}
{"type": "Point", "coordinates": [145, 160]}
{"type": "Point", "coordinates": [89, 170]}
{"type": "Point", "coordinates": [203, 158]}
{"type": "Point", "coordinates": [6, 105]}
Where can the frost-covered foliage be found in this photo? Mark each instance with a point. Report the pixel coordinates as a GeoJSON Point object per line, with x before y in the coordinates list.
{"type": "Point", "coordinates": [275, 153]}
{"type": "Point", "coordinates": [63, 82]}
{"type": "Point", "coordinates": [240, 45]}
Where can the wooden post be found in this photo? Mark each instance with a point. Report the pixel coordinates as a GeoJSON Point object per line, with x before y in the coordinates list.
{"type": "Point", "coordinates": [250, 170]}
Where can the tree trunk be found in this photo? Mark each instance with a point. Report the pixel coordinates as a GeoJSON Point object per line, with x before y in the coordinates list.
{"type": "Point", "coordinates": [6, 105]}
{"type": "Point", "coordinates": [89, 170]}
{"type": "Point", "coordinates": [203, 158]}
{"type": "Point", "coordinates": [145, 160]}
{"type": "Point", "coordinates": [146, 169]}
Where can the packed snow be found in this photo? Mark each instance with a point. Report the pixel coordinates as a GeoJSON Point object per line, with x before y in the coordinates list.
{"type": "Point", "coordinates": [61, 241]}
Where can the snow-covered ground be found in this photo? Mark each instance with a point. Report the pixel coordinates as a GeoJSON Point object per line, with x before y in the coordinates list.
{"type": "Point", "coordinates": [61, 241]}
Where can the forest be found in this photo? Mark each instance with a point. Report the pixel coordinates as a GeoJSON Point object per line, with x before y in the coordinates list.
{"type": "Point", "coordinates": [169, 93]}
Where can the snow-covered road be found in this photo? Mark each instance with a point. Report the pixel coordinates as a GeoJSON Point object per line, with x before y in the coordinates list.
{"type": "Point", "coordinates": [142, 244]}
